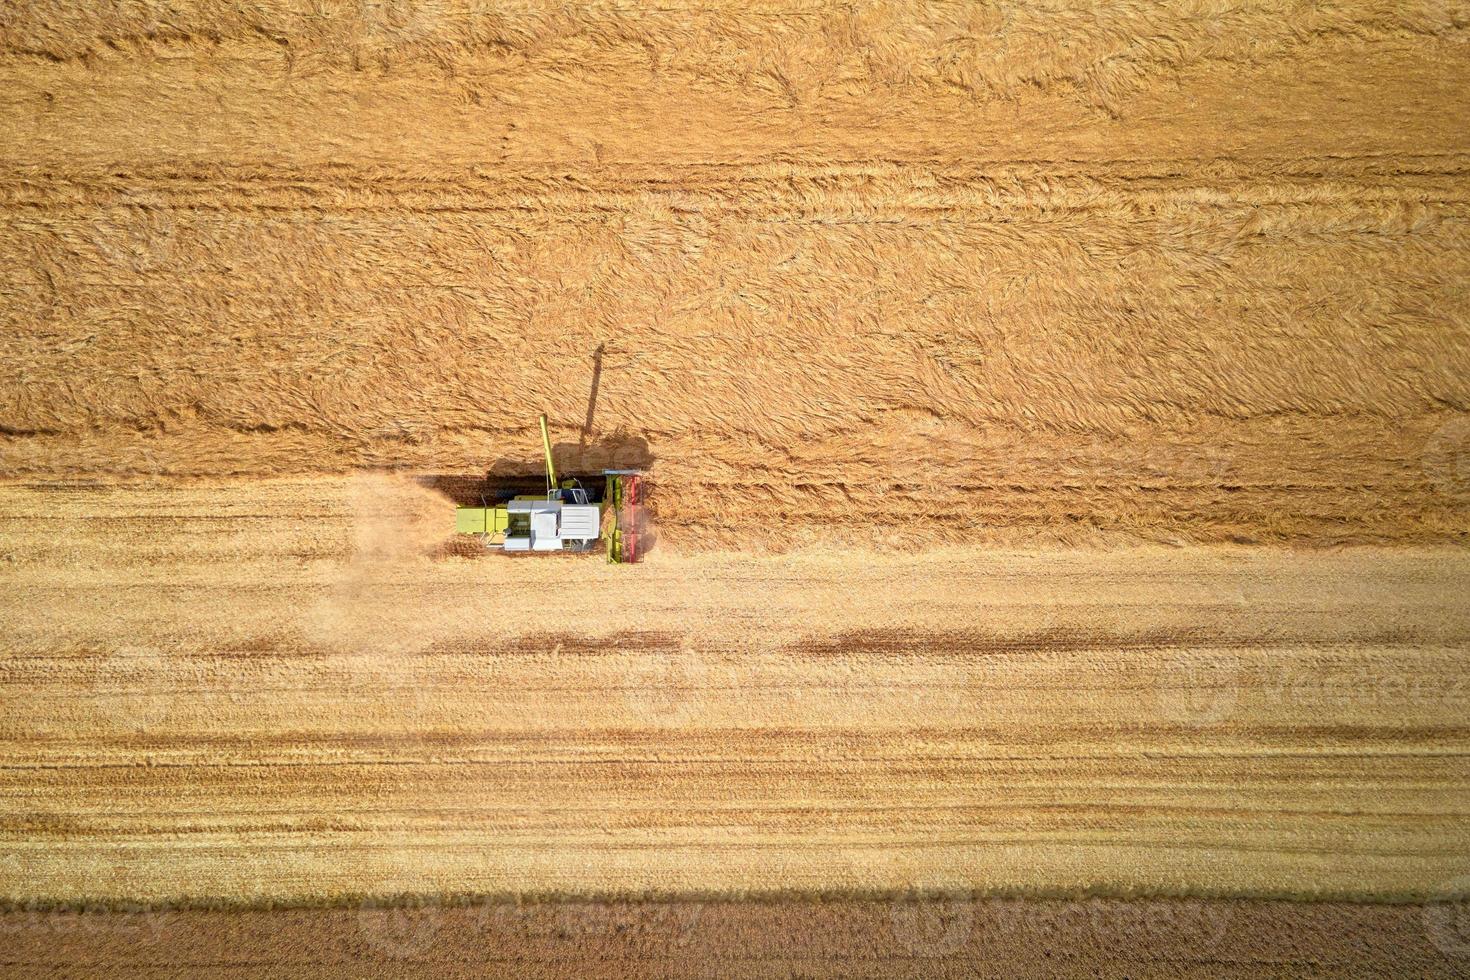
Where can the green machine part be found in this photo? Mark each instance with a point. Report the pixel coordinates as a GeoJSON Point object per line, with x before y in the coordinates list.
{"type": "Point", "coordinates": [546, 445]}
{"type": "Point", "coordinates": [481, 520]}
{"type": "Point", "coordinates": [623, 497]}
{"type": "Point", "coordinates": [612, 497]}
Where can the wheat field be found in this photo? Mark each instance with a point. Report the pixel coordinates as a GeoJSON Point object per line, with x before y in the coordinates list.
{"type": "Point", "coordinates": [331, 710]}
{"type": "Point", "coordinates": [1182, 272]}
{"type": "Point", "coordinates": [1058, 424]}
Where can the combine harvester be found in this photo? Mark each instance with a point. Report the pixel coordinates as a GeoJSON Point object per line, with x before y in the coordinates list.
{"type": "Point", "coordinates": [569, 518]}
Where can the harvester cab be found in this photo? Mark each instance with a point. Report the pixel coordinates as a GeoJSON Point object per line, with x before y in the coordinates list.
{"type": "Point", "coordinates": [569, 518]}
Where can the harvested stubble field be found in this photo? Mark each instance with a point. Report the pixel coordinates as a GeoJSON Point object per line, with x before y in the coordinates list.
{"type": "Point", "coordinates": [1059, 420]}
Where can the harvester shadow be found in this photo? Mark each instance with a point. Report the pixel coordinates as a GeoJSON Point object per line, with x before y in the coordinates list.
{"type": "Point", "coordinates": [510, 476]}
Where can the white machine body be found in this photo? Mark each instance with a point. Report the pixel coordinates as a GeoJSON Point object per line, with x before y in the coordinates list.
{"type": "Point", "coordinates": [552, 523]}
